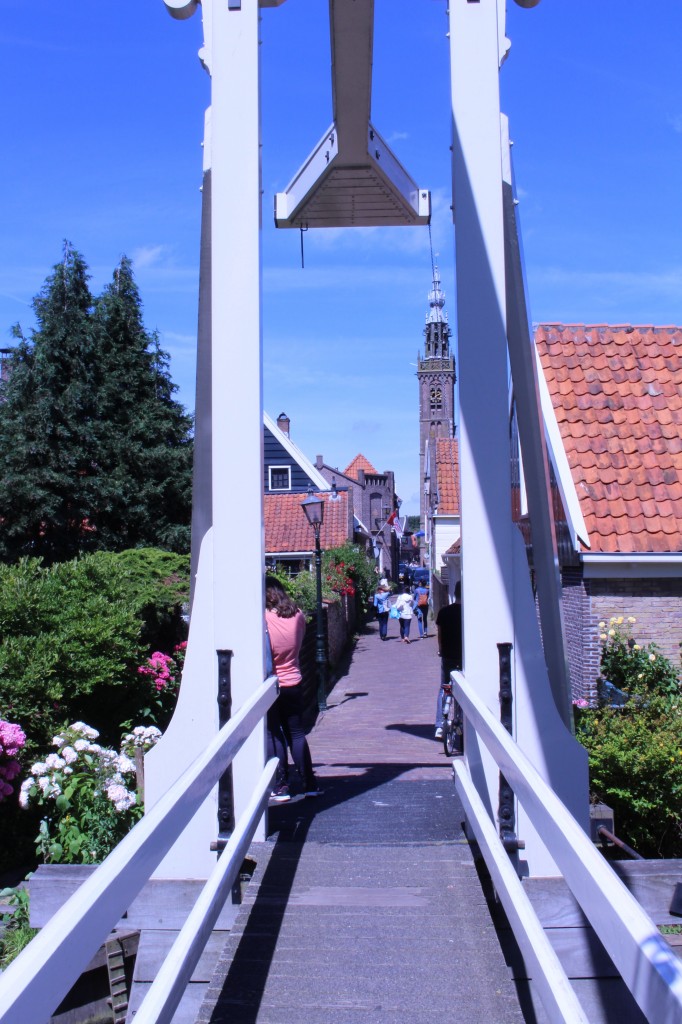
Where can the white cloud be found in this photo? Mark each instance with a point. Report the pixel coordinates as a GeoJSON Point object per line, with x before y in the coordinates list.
{"type": "Point", "coordinates": [148, 256]}
{"type": "Point", "coordinates": [675, 121]}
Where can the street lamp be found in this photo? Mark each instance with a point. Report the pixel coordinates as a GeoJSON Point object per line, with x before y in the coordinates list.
{"type": "Point", "coordinates": [314, 511]}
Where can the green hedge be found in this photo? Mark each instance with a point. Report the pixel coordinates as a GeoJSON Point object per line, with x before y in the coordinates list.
{"type": "Point", "coordinates": [73, 635]}
{"type": "Point", "coordinates": [635, 749]}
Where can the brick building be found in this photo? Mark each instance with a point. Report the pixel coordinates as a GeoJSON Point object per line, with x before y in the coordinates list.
{"type": "Point", "coordinates": [613, 409]}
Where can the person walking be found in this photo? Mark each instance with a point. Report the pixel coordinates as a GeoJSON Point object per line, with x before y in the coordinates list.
{"type": "Point", "coordinates": [449, 633]}
{"type": "Point", "coordinates": [381, 603]}
{"type": "Point", "coordinates": [405, 612]}
{"type": "Point", "coordinates": [286, 628]}
{"type": "Point", "coordinates": [421, 606]}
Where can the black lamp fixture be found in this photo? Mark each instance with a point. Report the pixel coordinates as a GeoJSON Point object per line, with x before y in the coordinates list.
{"type": "Point", "coordinates": [314, 512]}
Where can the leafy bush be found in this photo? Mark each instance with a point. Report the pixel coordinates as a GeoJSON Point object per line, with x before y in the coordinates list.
{"type": "Point", "coordinates": [73, 635]}
{"type": "Point", "coordinates": [346, 570]}
{"type": "Point", "coordinates": [16, 930]}
{"type": "Point", "coordinates": [635, 749]}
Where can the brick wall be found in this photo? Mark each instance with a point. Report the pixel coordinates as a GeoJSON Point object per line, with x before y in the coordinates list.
{"type": "Point", "coordinates": [656, 604]}
{"type": "Point", "coordinates": [339, 622]}
{"type": "Point", "coordinates": [575, 606]}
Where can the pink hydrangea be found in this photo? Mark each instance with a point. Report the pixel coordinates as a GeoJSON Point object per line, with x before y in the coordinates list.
{"type": "Point", "coordinates": [12, 739]}
{"type": "Point", "coordinates": [159, 668]}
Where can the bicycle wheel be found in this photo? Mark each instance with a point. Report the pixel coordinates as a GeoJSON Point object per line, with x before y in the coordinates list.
{"type": "Point", "coordinates": [452, 732]}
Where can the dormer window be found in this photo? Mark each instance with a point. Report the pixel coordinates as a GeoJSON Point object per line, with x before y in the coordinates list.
{"type": "Point", "coordinates": [280, 478]}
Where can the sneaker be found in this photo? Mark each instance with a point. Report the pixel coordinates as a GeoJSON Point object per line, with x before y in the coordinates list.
{"type": "Point", "coordinates": [439, 734]}
{"type": "Point", "coordinates": [281, 794]}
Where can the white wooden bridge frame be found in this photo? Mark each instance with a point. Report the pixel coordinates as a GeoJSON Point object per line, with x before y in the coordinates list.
{"type": "Point", "coordinates": [493, 335]}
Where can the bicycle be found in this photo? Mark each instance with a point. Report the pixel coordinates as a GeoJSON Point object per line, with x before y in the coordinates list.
{"type": "Point", "coordinates": [452, 723]}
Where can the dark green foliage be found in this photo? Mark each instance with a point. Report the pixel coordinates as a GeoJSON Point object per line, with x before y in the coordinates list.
{"type": "Point", "coordinates": [46, 470]}
{"type": "Point", "coordinates": [16, 932]}
{"type": "Point", "coordinates": [95, 454]}
{"type": "Point", "coordinates": [345, 570]}
{"type": "Point", "coordinates": [73, 635]}
{"type": "Point", "coordinates": [143, 435]}
{"type": "Point", "coordinates": [635, 749]}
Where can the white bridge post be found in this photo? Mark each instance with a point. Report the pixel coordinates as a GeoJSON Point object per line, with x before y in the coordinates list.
{"type": "Point", "coordinates": [227, 610]}
{"type": "Point", "coordinates": [497, 599]}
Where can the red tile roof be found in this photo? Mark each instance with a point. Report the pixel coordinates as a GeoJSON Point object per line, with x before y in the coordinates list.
{"type": "Point", "coordinates": [359, 462]}
{"type": "Point", "coordinates": [287, 529]}
{"type": "Point", "coordinates": [617, 395]}
{"type": "Point", "coordinates": [447, 475]}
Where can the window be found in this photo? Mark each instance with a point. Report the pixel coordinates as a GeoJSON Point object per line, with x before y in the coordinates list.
{"type": "Point", "coordinates": [436, 396]}
{"type": "Point", "coordinates": [280, 478]}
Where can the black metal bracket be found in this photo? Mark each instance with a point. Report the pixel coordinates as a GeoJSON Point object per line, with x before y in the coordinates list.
{"type": "Point", "coordinates": [225, 783]}
{"type": "Point", "coordinates": [505, 815]}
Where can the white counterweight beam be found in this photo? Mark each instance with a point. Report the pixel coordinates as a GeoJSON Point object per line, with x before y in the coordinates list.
{"type": "Point", "coordinates": [351, 178]}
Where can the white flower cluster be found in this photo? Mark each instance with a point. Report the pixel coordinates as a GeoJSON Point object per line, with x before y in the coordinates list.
{"type": "Point", "coordinates": [80, 757]}
{"type": "Point", "coordinates": [141, 738]}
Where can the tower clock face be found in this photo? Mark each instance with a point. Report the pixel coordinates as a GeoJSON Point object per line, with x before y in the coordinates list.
{"type": "Point", "coordinates": [436, 396]}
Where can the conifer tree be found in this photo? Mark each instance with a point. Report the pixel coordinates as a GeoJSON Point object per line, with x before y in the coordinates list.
{"type": "Point", "coordinates": [94, 451]}
{"type": "Point", "coordinates": [46, 478]}
{"type": "Point", "coordinates": [144, 436]}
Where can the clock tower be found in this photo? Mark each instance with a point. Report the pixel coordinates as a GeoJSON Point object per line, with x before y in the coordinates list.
{"type": "Point", "coordinates": [436, 377]}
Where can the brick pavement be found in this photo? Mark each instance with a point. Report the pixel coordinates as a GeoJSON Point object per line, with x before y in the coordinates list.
{"type": "Point", "coordinates": [365, 906]}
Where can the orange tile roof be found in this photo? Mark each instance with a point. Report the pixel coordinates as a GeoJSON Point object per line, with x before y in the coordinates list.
{"type": "Point", "coordinates": [359, 462]}
{"type": "Point", "coordinates": [287, 529]}
{"type": "Point", "coordinates": [617, 395]}
{"type": "Point", "coordinates": [447, 475]}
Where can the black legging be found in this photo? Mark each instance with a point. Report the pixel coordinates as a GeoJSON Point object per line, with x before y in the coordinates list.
{"type": "Point", "coordinates": [285, 729]}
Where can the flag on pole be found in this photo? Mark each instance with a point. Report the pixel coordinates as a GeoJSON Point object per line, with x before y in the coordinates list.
{"type": "Point", "coordinates": [398, 528]}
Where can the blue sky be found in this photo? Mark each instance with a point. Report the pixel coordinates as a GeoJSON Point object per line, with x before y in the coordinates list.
{"type": "Point", "coordinates": [102, 113]}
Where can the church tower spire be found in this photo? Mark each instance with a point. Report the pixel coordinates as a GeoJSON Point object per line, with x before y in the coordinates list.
{"type": "Point", "coordinates": [436, 378]}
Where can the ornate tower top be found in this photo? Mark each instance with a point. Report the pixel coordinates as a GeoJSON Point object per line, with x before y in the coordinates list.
{"type": "Point", "coordinates": [436, 302]}
{"type": "Point", "coordinates": [437, 329]}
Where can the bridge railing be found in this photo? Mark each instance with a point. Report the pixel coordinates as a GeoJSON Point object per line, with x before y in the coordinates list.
{"type": "Point", "coordinates": [36, 982]}
{"type": "Point", "coordinates": [644, 960]}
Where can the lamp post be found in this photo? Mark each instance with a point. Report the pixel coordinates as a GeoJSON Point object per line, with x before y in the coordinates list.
{"type": "Point", "coordinates": [314, 511]}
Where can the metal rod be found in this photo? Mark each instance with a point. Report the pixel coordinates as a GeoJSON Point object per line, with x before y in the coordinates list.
{"type": "Point", "coordinates": [603, 831]}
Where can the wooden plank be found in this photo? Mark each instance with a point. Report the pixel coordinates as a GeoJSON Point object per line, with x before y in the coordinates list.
{"type": "Point", "coordinates": [605, 1001]}
{"type": "Point", "coordinates": [554, 903]}
{"type": "Point", "coordinates": [186, 1013]}
{"type": "Point", "coordinates": [652, 883]}
{"type": "Point", "coordinates": [579, 950]}
{"type": "Point", "coordinates": [155, 945]}
{"type": "Point", "coordinates": [163, 903]}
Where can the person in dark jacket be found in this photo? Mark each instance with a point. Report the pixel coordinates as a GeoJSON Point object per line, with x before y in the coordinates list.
{"type": "Point", "coordinates": [449, 633]}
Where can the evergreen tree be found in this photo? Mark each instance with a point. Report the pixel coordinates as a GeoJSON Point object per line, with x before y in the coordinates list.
{"type": "Point", "coordinates": [144, 436]}
{"type": "Point", "coordinates": [47, 476]}
{"type": "Point", "coordinates": [94, 451]}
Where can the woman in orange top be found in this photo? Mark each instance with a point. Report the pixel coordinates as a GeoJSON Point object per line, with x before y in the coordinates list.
{"type": "Point", "coordinates": [286, 628]}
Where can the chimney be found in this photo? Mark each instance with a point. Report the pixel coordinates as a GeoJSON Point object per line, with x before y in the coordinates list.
{"type": "Point", "coordinates": [283, 423]}
{"type": "Point", "coordinates": [319, 462]}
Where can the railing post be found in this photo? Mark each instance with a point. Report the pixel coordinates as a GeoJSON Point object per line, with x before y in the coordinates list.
{"type": "Point", "coordinates": [226, 783]}
{"type": "Point", "coordinates": [506, 815]}
{"type": "Point", "coordinates": [225, 792]}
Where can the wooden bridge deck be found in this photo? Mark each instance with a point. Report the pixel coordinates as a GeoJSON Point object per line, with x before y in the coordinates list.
{"type": "Point", "coordinates": [366, 906]}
